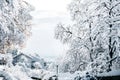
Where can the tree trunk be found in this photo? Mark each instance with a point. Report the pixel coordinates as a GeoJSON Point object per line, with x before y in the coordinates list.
{"type": "Point", "coordinates": [110, 40]}
{"type": "Point", "coordinates": [91, 41]}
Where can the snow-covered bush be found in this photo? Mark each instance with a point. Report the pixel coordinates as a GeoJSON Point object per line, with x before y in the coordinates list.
{"type": "Point", "coordinates": [7, 76]}
{"type": "Point", "coordinates": [14, 73]}
{"type": "Point", "coordinates": [37, 65]}
{"type": "Point", "coordinates": [52, 67]}
{"type": "Point", "coordinates": [18, 73]}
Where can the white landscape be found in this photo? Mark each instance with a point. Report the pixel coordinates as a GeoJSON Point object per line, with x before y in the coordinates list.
{"type": "Point", "coordinates": [59, 39]}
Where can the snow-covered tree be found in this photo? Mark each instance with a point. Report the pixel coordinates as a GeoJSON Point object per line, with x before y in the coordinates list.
{"type": "Point", "coordinates": [81, 40]}
{"type": "Point", "coordinates": [107, 21]}
{"type": "Point", "coordinates": [94, 36]}
{"type": "Point", "coordinates": [63, 33]}
{"type": "Point", "coordinates": [14, 24]}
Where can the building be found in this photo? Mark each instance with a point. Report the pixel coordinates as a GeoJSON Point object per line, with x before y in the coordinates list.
{"type": "Point", "coordinates": [23, 58]}
{"type": "Point", "coordinates": [28, 60]}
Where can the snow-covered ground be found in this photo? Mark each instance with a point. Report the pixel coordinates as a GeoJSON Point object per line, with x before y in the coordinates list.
{"type": "Point", "coordinates": [111, 73]}
{"type": "Point", "coordinates": [66, 76]}
{"type": "Point", "coordinates": [69, 76]}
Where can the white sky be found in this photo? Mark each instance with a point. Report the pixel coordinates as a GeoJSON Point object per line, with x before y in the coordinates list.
{"type": "Point", "coordinates": [47, 14]}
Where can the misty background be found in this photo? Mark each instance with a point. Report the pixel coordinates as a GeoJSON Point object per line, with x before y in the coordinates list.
{"type": "Point", "coordinates": [47, 14]}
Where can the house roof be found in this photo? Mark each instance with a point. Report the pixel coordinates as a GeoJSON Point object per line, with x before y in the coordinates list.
{"type": "Point", "coordinates": [21, 54]}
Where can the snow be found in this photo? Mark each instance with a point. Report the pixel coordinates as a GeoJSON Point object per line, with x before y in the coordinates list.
{"type": "Point", "coordinates": [2, 56]}
{"type": "Point", "coordinates": [61, 76]}
{"type": "Point", "coordinates": [93, 39]}
{"type": "Point", "coordinates": [66, 76]}
{"type": "Point", "coordinates": [111, 73]}
{"type": "Point", "coordinates": [48, 75]}
{"type": "Point", "coordinates": [37, 65]}
{"type": "Point", "coordinates": [1, 78]}
{"type": "Point", "coordinates": [11, 72]}
{"type": "Point", "coordinates": [7, 75]}
{"type": "Point", "coordinates": [38, 73]}
{"type": "Point", "coordinates": [18, 73]}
